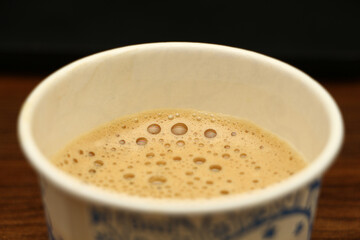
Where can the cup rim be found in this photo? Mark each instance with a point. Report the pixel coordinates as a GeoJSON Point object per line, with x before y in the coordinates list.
{"type": "Point", "coordinates": [76, 188]}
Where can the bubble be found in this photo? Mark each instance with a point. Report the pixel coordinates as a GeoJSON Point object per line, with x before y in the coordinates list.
{"type": "Point", "coordinates": [91, 154]}
{"type": "Point", "coordinates": [141, 141]}
{"type": "Point", "coordinates": [147, 163]}
{"type": "Point", "coordinates": [255, 181]}
{"type": "Point", "coordinates": [161, 163]}
{"type": "Point", "coordinates": [167, 145]}
{"type": "Point", "coordinates": [233, 134]}
{"type": "Point", "coordinates": [170, 117]}
{"type": "Point", "coordinates": [226, 156]}
{"type": "Point", "coordinates": [189, 173]}
{"type": "Point", "coordinates": [136, 120]}
{"type": "Point", "coordinates": [261, 147]}
{"type": "Point", "coordinates": [177, 158]}
{"type": "Point", "coordinates": [123, 126]}
{"type": "Point", "coordinates": [98, 163]}
{"type": "Point", "coordinates": [150, 155]}
{"type": "Point", "coordinates": [81, 152]}
{"type": "Point", "coordinates": [75, 160]}
{"type": "Point", "coordinates": [257, 168]}
{"type": "Point", "coordinates": [210, 133]}
{"type": "Point", "coordinates": [198, 118]}
{"type": "Point", "coordinates": [209, 182]}
{"type": "Point", "coordinates": [243, 155]}
{"type": "Point", "coordinates": [199, 160]}
{"type": "Point", "coordinates": [129, 176]}
{"type": "Point", "coordinates": [122, 142]}
{"type": "Point", "coordinates": [177, 114]}
{"type": "Point", "coordinates": [157, 180]}
{"type": "Point", "coordinates": [179, 129]}
{"type": "Point", "coordinates": [92, 171]}
{"type": "Point", "coordinates": [215, 168]}
{"type": "Point", "coordinates": [180, 143]}
{"type": "Point", "coordinates": [201, 145]}
{"type": "Point", "coordinates": [212, 120]}
{"type": "Point", "coordinates": [236, 150]}
{"type": "Point", "coordinates": [224, 192]}
{"type": "Point", "coordinates": [227, 147]}
{"type": "Point", "coordinates": [229, 181]}
{"type": "Point", "coordinates": [113, 149]}
{"type": "Point", "coordinates": [154, 129]}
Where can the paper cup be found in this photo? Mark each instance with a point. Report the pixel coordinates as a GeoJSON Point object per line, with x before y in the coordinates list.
{"type": "Point", "coordinates": [107, 85]}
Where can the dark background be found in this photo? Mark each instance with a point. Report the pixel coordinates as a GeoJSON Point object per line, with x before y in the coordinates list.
{"type": "Point", "coordinates": [320, 37]}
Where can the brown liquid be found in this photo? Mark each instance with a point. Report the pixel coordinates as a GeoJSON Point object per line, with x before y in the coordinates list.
{"type": "Point", "coordinates": [179, 154]}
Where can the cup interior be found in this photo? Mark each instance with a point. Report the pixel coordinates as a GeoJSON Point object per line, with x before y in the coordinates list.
{"type": "Point", "coordinates": [238, 83]}
{"type": "Point", "coordinates": [105, 86]}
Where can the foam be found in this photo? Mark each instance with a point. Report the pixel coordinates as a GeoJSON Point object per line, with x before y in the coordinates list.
{"type": "Point", "coordinates": [181, 154]}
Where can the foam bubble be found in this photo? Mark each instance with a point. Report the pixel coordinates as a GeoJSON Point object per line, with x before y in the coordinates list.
{"type": "Point", "coordinates": [210, 133]}
{"type": "Point", "coordinates": [177, 158]}
{"type": "Point", "coordinates": [224, 192]}
{"type": "Point", "coordinates": [180, 143]}
{"type": "Point", "coordinates": [98, 163]}
{"type": "Point", "coordinates": [150, 155]}
{"type": "Point", "coordinates": [199, 160]}
{"type": "Point", "coordinates": [154, 129]}
{"type": "Point", "coordinates": [141, 141]}
{"type": "Point", "coordinates": [129, 176]}
{"type": "Point", "coordinates": [160, 163]}
{"type": "Point", "coordinates": [91, 154]}
{"type": "Point", "coordinates": [122, 142]}
{"type": "Point", "coordinates": [226, 156]}
{"type": "Point", "coordinates": [179, 129]}
{"type": "Point", "coordinates": [215, 168]}
{"type": "Point", "coordinates": [157, 180]}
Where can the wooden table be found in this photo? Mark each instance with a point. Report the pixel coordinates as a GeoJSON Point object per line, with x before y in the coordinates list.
{"type": "Point", "coordinates": [21, 213]}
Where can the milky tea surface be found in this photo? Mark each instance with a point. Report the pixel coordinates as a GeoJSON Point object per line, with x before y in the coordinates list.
{"type": "Point", "coordinates": [179, 154]}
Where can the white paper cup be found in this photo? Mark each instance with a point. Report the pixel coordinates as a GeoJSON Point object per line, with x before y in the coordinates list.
{"type": "Point", "coordinates": [107, 85]}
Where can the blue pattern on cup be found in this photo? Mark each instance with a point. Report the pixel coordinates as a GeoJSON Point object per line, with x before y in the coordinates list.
{"type": "Point", "coordinates": [263, 221]}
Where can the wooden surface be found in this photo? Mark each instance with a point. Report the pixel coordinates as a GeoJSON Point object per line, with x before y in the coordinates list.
{"type": "Point", "coordinates": [21, 213]}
